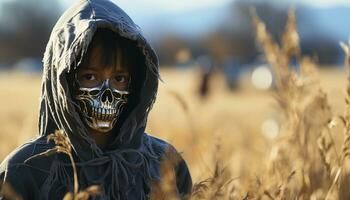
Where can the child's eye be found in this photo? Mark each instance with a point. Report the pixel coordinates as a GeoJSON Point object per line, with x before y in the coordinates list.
{"type": "Point", "coordinates": [120, 79]}
{"type": "Point", "coordinates": [89, 77]}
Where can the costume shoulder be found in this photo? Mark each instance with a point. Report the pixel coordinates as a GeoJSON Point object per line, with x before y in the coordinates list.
{"type": "Point", "coordinates": [22, 154]}
{"type": "Point", "coordinates": [182, 173]}
{"type": "Point", "coordinates": [23, 175]}
{"type": "Point", "coordinates": [156, 145]}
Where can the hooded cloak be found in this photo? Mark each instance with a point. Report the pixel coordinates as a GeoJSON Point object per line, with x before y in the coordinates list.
{"type": "Point", "coordinates": [131, 163]}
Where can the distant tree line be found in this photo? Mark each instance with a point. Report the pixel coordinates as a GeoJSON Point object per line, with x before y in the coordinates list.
{"type": "Point", "coordinates": [25, 28]}
{"type": "Point", "coordinates": [236, 38]}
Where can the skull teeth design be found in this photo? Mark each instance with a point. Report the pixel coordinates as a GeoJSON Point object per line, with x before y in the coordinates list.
{"type": "Point", "coordinates": [103, 114]}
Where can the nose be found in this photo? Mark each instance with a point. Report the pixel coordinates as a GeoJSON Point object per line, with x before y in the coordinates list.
{"type": "Point", "coordinates": [107, 96]}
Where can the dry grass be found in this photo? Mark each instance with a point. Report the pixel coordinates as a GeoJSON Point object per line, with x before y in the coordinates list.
{"type": "Point", "coordinates": [64, 146]}
{"type": "Point", "coordinates": [221, 137]}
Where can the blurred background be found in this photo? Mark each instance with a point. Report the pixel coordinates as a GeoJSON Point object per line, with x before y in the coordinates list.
{"type": "Point", "coordinates": [213, 35]}
{"type": "Point", "coordinates": [185, 31]}
{"type": "Point", "coordinates": [216, 81]}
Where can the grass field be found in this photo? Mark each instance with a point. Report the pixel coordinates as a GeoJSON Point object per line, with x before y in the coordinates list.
{"type": "Point", "coordinates": [231, 120]}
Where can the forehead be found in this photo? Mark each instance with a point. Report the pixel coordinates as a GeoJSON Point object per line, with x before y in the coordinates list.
{"type": "Point", "coordinates": [104, 53]}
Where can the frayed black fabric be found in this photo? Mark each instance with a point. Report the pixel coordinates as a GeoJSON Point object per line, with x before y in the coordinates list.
{"type": "Point", "coordinates": [131, 163]}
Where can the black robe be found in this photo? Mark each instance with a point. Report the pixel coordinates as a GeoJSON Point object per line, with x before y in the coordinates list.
{"type": "Point", "coordinates": [34, 179]}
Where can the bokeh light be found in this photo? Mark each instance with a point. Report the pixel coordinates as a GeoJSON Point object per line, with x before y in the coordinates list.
{"type": "Point", "coordinates": [270, 128]}
{"type": "Point", "coordinates": [262, 78]}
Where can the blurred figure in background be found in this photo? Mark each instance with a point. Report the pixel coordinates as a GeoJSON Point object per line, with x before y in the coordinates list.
{"type": "Point", "coordinates": [206, 71]}
{"type": "Point", "coordinates": [232, 71]}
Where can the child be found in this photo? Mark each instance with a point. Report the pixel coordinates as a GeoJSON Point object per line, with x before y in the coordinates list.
{"type": "Point", "coordinates": [99, 83]}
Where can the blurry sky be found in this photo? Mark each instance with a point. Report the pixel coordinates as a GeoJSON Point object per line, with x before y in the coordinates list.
{"type": "Point", "coordinates": [189, 17]}
{"type": "Point", "coordinates": [317, 3]}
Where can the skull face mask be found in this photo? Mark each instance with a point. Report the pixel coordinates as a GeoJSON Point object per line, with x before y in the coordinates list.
{"type": "Point", "coordinates": [102, 105]}
{"type": "Point", "coordinates": [102, 81]}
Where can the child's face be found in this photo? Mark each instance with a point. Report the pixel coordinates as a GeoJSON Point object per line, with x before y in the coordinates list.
{"type": "Point", "coordinates": [93, 70]}
{"type": "Point", "coordinates": [103, 86]}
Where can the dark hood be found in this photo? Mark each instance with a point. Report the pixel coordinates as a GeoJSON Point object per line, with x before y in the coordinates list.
{"type": "Point", "coordinates": [69, 41]}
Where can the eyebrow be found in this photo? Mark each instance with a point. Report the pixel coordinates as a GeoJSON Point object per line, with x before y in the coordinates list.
{"type": "Point", "coordinates": [122, 71]}
{"type": "Point", "coordinates": [89, 68]}
{"type": "Point", "coordinates": [94, 68]}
